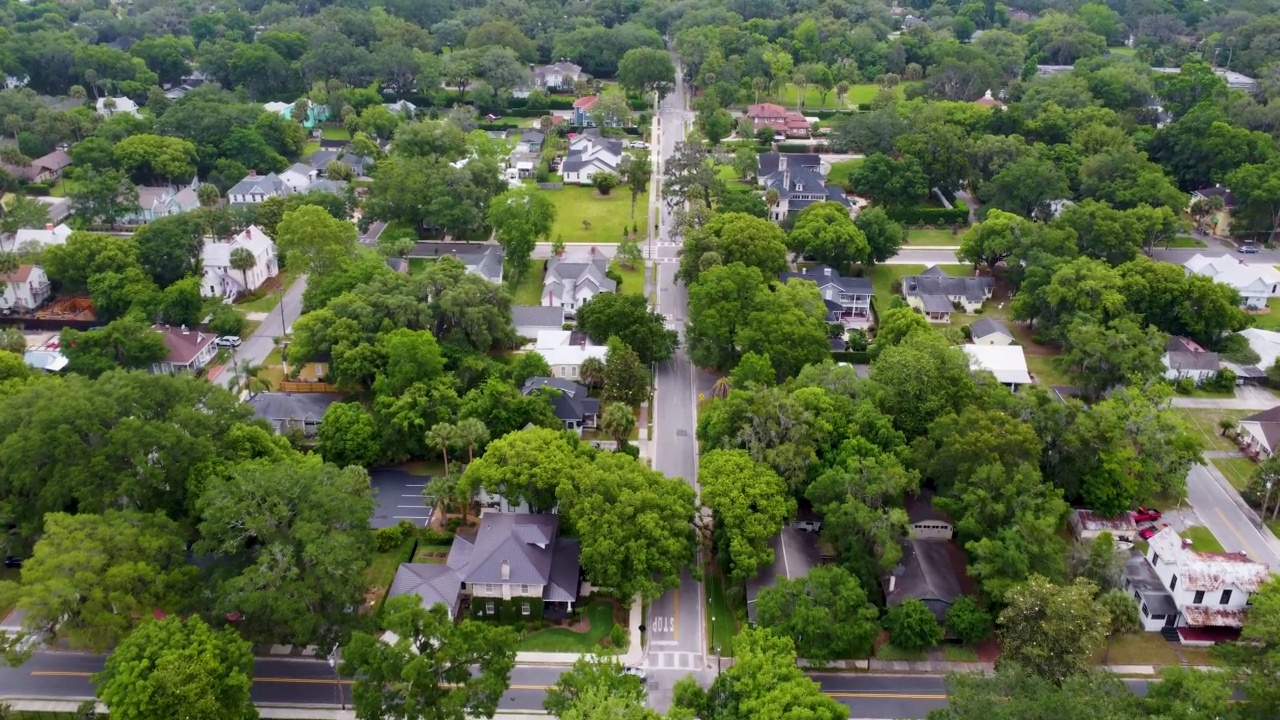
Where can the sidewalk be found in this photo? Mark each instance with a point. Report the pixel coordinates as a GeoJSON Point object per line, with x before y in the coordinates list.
{"type": "Point", "coordinates": [631, 657]}
{"type": "Point", "coordinates": [293, 712]}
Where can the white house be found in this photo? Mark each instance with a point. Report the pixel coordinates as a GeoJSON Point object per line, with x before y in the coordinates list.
{"type": "Point", "coordinates": [565, 350]}
{"type": "Point", "coordinates": [299, 176]}
{"type": "Point", "coordinates": [26, 288]}
{"type": "Point", "coordinates": [255, 188]}
{"type": "Point", "coordinates": [222, 280]}
{"type": "Point", "coordinates": [571, 282]}
{"type": "Point", "coordinates": [937, 294]}
{"type": "Point", "coordinates": [44, 237]}
{"type": "Point", "coordinates": [848, 299]}
{"type": "Point", "coordinates": [589, 154]}
{"type": "Point", "coordinates": [1184, 358]}
{"type": "Point", "coordinates": [990, 332]}
{"type": "Point", "coordinates": [1192, 591]}
{"type": "Point", "coordinates": [1260, 433]}
{"type": "Point", "coordinates": [109, 106]}
{"type": "Point", "coordinates": [1006, 362]}
{"type": "Point", "coordinates": [1256, 283]}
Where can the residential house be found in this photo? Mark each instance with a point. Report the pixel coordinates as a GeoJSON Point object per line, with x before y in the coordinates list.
{"type": "Point", "coordinates": [25, 289]}
{"type": "Point", "coordinates": [189, 350]}
{"type": "Point", "coordinates": [930, 571]}
{"type": "Point", "coordinates": [582, 111]}
{"type": "Point", "coordinates": [360, 165]}
{"type": "Point", "coordinates": [987, 100]}
{"type": "Point", "coordinates": [1184, 358]}
{"type": "Point", "coordinates": [848, 299]}
{"type": "Point", "coordinates": [795, 552]}
{"type": "Point", "coordinates": [255, 188]}
{"type": "Point", "coordinates": [50, 234]}
{"type": "Point", "coordinates": [782, 121]}
{"type": "Point", "coordinates": [912, 21]}
{"type": "Point", "coordinates": [59, 207]}
{"type": "Point", "coordinates": [560, 77]}
{"type": "Point", "coordinates": [517, 567]}
{"type": "Point", "coordinates": [569, 400]}
{"type": "Point", "coordinates": [481, 259]}
{"type": "Point", "coordinates": [589, 154]}
{"type": "Point", "coordinates": [286, 411]}
{"type": "Point", "coordinates": [799, 182]}
{"type": "Point", "coordinates": [222, 280]}
{"type": "Point", "coordinates": [157, 202]}
{"type": "Point", "coordinates": [529, 320]}
{"type": "Point", "coordinates": [571, 282]}
{"type": "Point", "coordinates": [1199, 597]}
{"type": "Point", "coordinates": [522, 163]}
{"type": "Point", "coordinates": [990, 332]}
{"type": "Point", "coordinates": [937, 294]}
{"type": "Point", "coordinates": [400, 265]}
{"type": "Point", "coordinates": [109, 106]}
{"type": "Point", "coordinates": [1006, 362]}
{"type": "Point", "coordinates": [1259, 434]}
{"type": "Point", "coordinates": [1087, 525]}
{"type": "Point", "coordinates": [565, 350]}
{"type": "Point", "coordinates": [402, 107]}
{"type": "Point", "coordinates": [1220, 222]}
{"type": "Point", "coordinates": [44, 169]}
{"type": "Point", "coordinates": [299, 177]}
{"type": "Point", "coordinates": [1266, 343]}
{"type": "Point", "coordinates": [926, 521]}
{"type": "Point", "coordinates": [316, 113]}
{"type": "Point", "coordinates": [1256, 283]}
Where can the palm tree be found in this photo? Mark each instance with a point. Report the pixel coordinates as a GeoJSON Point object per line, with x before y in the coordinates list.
{"type": "Point", "coordinates": [1226, 425]}
{"type": "Point", "coordinates": [842, 89]}
{"type": "Point", "coordinates": [91, 77]}
{"type": "Point", "coordinates": [771, 198]}
{"type": "Point", "coordinates": [208, 195]}
{"type": "Point", "coordinates": [443, 436]}
{"type": "Point", "coordinates": [244, 260]}
{"type": "Point", "coordinates": [758, 84]}
{"type": "Point", "coordinates": [617, 421]}
{"type": "Point", "coordinates": [472, 433]}
{"type": "Point", "coordinates": [251, 378]}
{"type": "Point", "coordinates": [722, 387]}
{"type": "Point", "coordinates": [592, 372]}
{"type": "Point", "coordinates": [76, 92]}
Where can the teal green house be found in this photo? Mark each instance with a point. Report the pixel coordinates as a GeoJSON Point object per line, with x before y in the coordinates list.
{"type": "Point", "coordinates": [316, 114]}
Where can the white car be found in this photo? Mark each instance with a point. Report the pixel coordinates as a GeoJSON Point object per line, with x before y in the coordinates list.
{"type": "Point", "coordinates": [811, 526]}
{"type": "Point", "coordinates": [635, 671]}
{"type": "Point", "coordinates": [229, 341]}
{"type": "Point", "coordinates": [638, 145]}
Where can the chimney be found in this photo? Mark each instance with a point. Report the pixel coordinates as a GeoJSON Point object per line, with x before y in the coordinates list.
{"type": "Point", "coordinates": [185, 331]}
{"type": "Point", "coordinates": [253, 173]}
{"type": "Point", "coordinates": [48, 226]}
{"type": "Point", "coordinates": [506, 570]}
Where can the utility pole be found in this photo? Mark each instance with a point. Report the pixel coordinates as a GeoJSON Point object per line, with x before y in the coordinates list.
{"type": "Point", "coordinates": [337, 678]}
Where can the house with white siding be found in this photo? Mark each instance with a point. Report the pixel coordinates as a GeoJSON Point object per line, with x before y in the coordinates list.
{"type": "Point", "coordinates": [222, 280]}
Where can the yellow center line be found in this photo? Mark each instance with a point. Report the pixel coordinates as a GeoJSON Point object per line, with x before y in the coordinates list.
{"type": "Point", "coordinates": [1234, 531]}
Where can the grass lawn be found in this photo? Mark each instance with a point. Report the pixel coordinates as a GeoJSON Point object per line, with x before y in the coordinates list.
{"type": "Point", "coordinates": [1199, 656]}
{"type": "Point", "coordinates": [725, 625]}
{"type": "Point", "coordinates": [584, 216]}
{"type": "Point", "coordinates": [1046, 371]}
{"type": "Point", "coordinates": [310, 147]}
{"type": "Point", "coordinates": [726, 173]}
{"type": "Point", "coordinates": [1141, 648]}
{"type": "Point", "coordinates": [268, 302]}
{"type": "Point", "coordinates": [812, 98]}
{"type": "Point", "coordinates": [63, 187]}
{"type": "Point", "coordinates": [892, 652]}
{"type": "Point", "coordinates": [1269, 320]}
{"type": "Point", "coordinates": [840, 171]}
{"type": "Point", "coordinates": [1128, 51]}
{"type": "Point", "coordinates": [382, 570]}
{"type": "Point", "coordinates": [529, 291]}
{"type": "Point", "coordinates": [883, 276]}
{"type": "Point", "coordinates": [959, 653]}
{"type": "Point", "coordinates": [1186, 241]}
{"type": "Point", "coordinates": [431, 554]}
{"type": "Point", "coordinates": [417, 265]}
{"type": "Point", "coordinates": [335, 133]}
{"type": "Point", "coordinates": [1238, 471]}
{"type": "Point", "coordinates": [864, 93]}
{"type": "Point", "coordinates": [932, 236]}
{"type": "Point", "coordinates": [600, 613]}
{"type": "Point", "coordinates": [1202, 539]}
{"type": "Point", "coordinates": [1204, 422]}
{"type": "Point", "coordinates": [632, 280]}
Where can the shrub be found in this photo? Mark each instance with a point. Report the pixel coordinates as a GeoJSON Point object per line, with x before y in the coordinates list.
{"type": "Point", "coordinates": [1222, 381]}
{"type": "Point", "coordinates": [929, 215]}
{"type": "Point", "coordinates": [453, 524]}
{"type": "Point", "coordinates": [967, 621]}
{"type": "Point", "coordinates": [431, 537]}
{"type": "Point", "coordinates": [618, 636]}
{"type": "Point", "coordinates": [1184, 386]}
{"type": "Point", "coordinates": [858, 340]}
{"type": "Point", "coordinates": [226, 320]}
{"type": "Point", "coordinates": [912, 626]}
{"type": "Point", "coordinates": [388, 538]}
{"type": "Point", "coordinates": [543, 173]}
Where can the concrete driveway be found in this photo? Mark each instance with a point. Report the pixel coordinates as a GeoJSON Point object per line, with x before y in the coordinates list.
{"type": "Point", "coordinates": [1248, 397]}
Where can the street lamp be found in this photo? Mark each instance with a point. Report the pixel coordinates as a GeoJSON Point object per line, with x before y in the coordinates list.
{"type": "Point", "coordinates": [337, 679]}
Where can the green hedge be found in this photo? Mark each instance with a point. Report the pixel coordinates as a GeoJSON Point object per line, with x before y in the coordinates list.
{"type": "Point", "coordinates": [929, 215]}
{"type": "Point", "coordinates": [852, 356]}
{"type": "Point", "coordinates": [506, 612]}
{"type": "Point", "coordinates": [785, 147]}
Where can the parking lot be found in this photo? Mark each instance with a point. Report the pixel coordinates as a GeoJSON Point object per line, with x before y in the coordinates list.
{"type": "Point", "coordinates": [399, 496]}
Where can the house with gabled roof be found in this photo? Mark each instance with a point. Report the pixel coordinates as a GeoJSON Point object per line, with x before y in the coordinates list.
{"type": "Point", "coordinates": [163, 201]}
{"type": "Point", "coordinates": [25, 288]}
{"type": "Point", "coordinates": [569, 400]}
{"type": "Point", "coordinates": [799, 182]}
{"type": "Point", "coordinates": [221, 279]}
{"type": "Point", "coordinates": [189, 349]}
{"type": "Point", "coordinates": [937, 294]}
{"type": "Point", "coordinates": [782, 121]}
{"type": "Point", "coordinates": [1256, 283]}
{"type": "Point", "coordinates": [570, 282]}
{"type": "Point", "coordinates": [990, 332]}
{"type": "Point", "coordinates": [1184, 358]}
{"type": "Point", "coordinates": [848, 299]}
{"type": "Point", "coordinates": [1259, 434]}
{"type": "Point", "coordinates": [285, 411]}
{"type": "Point", "coordinates": [483, 259]}
{"type": "Point", "coordinates": [590, 154]}
{"type": "Point", "coordinates": [1006, 362]}
{"type": "Point", "coordinates": [255, 188]}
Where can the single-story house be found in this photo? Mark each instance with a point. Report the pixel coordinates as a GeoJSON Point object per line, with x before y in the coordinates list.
{"type": "Point", "coordinates": [565, 350]}
{"type": "Point", "coordinates": [109, 106]}
{"type": "Point", "coordinates": [990, 332]}
{"type": "Point", "coordinates": [1220, 222]}
{"type": "Point", "coordinates": [1006, 362]}
{"type": "Point", "coordinates": [529, 320]}
{"type": "Point", "coordinates": [483, 259]}
{"type": "Point", "coordinates": [1256, 283]}
{"type": "Point", "coordinates": [570, 282]}
{"type": "Point", "coordinates": [1184, 358]}
{"type": "Point", "coordinates": [59, 207]}
{"type": "Point", "coordinates": [48, 235]}
{"type": "Point", "coordinates": [570, 401]}
{"type": "Point", "coordinates": [315, 113]}
{"type": "Point", "coordinates": [285, 411]}
{"type": "Point", "coordinates": [1087, 525]}
{"type": "Point", "coordinates": [45, 168]}
{"type": "Point", "coordinates": [927, 522]}
{"type": "Point", "coordinates": [222, 280]}
{"type": "Point", "coordinates": [401, 107]}
{"type": "Point", "coordinates": [930, 571]}
{"type": "Point", "coordinates": [25, 289]}
{"type": "Point", "coordinates": [937, 294]}
{"type": "Point", "coordinates": [795, 552]}
{"type": "Point", "coordinates": [189, 350]}
{"type": "Point", "coordinates": [1260, 433]}
{"type": "Point", "coordinates": [848, 299]}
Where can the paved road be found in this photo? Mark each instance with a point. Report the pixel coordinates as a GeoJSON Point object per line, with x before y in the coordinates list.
{"type": "Point", "coordinates": [1218, 509]}
{"type": "Point", "coordinates": [262, 342]}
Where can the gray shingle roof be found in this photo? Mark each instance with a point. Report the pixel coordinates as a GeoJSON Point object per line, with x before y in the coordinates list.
{"type": "Point", "coordinates": [280, 408]}
{"type": "Point", "coordinates": [769, 162]}
{"type": "Point", "coordinates": [937, 304]}
{"type": "Point", "coordinates": [823, 275]}
{"type": "Point", "coordinates": [1193, 360]}
{"type": "Point", "coordinates": [269, 184]}
{"type": "Point", "coordinates": [591, 270]}
{"type": "Point", "coordinates": [928, 573]}
{"type": "Point", "coordinates": [935, 281]}
{"type": "Point", "coordinates": [986, 327]}
{"type": "Point", "coordinates": [552, 317]}
{"type": "Point", "coordinates": [432, 582]}
{"type": "Point", "coordinates": [525, 543]}
{"type": "Point", "coordinates": [570, 403]}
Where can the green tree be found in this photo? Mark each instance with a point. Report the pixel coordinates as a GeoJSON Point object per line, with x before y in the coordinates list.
{"type": "Point", "coordinates": [181, 303]}
{"type": "Point", "coordinates": [1025, 187]}
{"type": "Point", "coordinates": [1052, 630]}
{"type": "Point", "coordinates": [178, 668]}
{"type": "Point", "coordinates": [735, 237]}
{"type": "Point", "coordinates": [825, 231]}
{"type": "Point", "coordinates": [896, 325]}
{"type": "Point", "coordinates": [591, 674]}
{"type": "Point", "coordinates": [150, 159]}
{"type": "Point", "coordinates": [647, 70]}
{"type": "Point", "coordinates": [1122, 610]}
{"type": "Point", "coordinates": [912, 626]}
{"type": "Point", "coordinates": [617, 421]}
{"type": "Point", "coordinates": [102, 197]}
{"type": "Point", "coordinates": [753, 371]}
{"type": "Point", "coordinates": [125, 343]}
{"type": "Point", "coordinates": [1100, 357]}
{"type": "Point", "coordinates": [1258, 652]}
{"type": "Point", "coordinates": [444, 437]}
{"type": "Point", "coordinates": [1190, 693]}
{"type": "Point", "coordinates": [520, 218]}
{"type": "Point", "coordinates": [968, 621]}
{"type": "Point", "coordinates": [636, 170]}
{"type": "Point", "coordinates": [244, 260]}
{"type": "Point", "coordinates": [316, 242]}
{"type": "Point", "coordinates": [628, 317]}
{"type": "Point", "coordinates": [763, 682]}
{"type": "Point", "coordinates": [527, 466]}
{"type": "Point", "coordinates": [626, 379]}
{"type": "Point", "coordinates": [749, 503]}
{"type": "Point", "coordinates": [1015, 693]}
{"type": "Point", "coordinates": [888, 182]}
{"type": "Point", "coordinates": [434, 670]}
{"type": "Point", "coordinates": [789, 325]}
{"type": "Point", "coordinates": [884, 236]}
{"type": "Point", "coordinates": [348, 436]}
{"type": "Point", "coordinates": [826, 614]}
{"type": "Point", "coordinates": [993, 240]}
{"type": "Point", "coordinates": [605, 182]}
{"type": "Point", "coordinates": [920, 379]}
{"type": "Point", "coordinates": [294, 538]}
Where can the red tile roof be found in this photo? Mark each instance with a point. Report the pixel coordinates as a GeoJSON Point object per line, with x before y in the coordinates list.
{"type": "Point", "coordinates": [766, 110]}
{"type": "Point", "coordinates": [585, 103]}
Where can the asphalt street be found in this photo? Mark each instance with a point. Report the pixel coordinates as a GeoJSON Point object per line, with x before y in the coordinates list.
{"type": "Point", "coordinates": [262, 342]}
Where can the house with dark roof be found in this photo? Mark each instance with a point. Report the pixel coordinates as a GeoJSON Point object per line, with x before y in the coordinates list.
{"type": "Point", "coordinates": [589, 154]}
{"type": "Point", "coordinates": [189, 350]}
{"type": "Point", "coordinates": [483, 259]}
{"type": "Point", "coordinates": [515, 568]}
{"type": "Point", "coordinates": [1184, 358]}
{"type": "Point", "coordinates": [360, 165]}
{"type": "Point", "coordinates": [569, 401]}
{"type": "Point", "coordinates": [937, 294]}
{"type": "Point", "coordinates": [929, 571]}
{"type": "Point", "coordinates": [990, 332]}
{"type": "Point", "coordinates": [926, 521]}
{"type": "Point", "coordinates": [529, 320]}
{"type": "Point", "coordinates": [799, 182]}
{"type": "Point", "coordinates": [1259, 434]}
{"type": "Point", "coordinates": [795, 552]}
{"type": "Point", "coordinates": [255, 188]}
{"type": "Point", "coordinates": [848, 299]}
{"type": "Point", "coordinates": [46, 168]}
{"type": "Point", "coordinates": [285, 411]}
{"type": "Point", "coordinates": [570, 282]}
{"type": "Point", "coordinates": [400, 265]}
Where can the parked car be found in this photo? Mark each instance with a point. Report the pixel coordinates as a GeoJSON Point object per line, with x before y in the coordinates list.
{"type": "Point", "coordinates": [638, 145]}
{"type": "Point", "coordinates": [229, 341]}
{"type": "Point", "coordinates": [1146, 514]}
{"type": "Point", "coordinates": [13, 562]}
{"type": "Point", "coordinates": [1149, 531]}
{"type": "Point", "coordinates": [1249, 249]}
{"type": "Point", "coordinates": [812, 526]}
{"type": "Point", "coordinates": [636, 671]}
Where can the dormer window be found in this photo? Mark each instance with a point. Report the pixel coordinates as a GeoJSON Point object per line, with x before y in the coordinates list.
{"type": "Point", "coordinates": [506, 570]}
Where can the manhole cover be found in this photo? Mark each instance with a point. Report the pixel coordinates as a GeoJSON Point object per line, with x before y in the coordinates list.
{"type": "Point", "coordinates": [682, 433]}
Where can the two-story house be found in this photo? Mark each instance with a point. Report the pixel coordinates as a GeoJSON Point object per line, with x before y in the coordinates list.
{"type": "Point", "coordinates": [782, 121]}
{"type": "Point", "coordinates": [1194, 597]}
{"type": "Point", "coordinates": [560, 77]}
{"type": "Point", "coordinates": [299, 177]}
{"type": "Point", "coordinates": [571, 281]}
{"type": "Point", "coordinates": [570, 401]}
{"type": "Point", "coordinates": [43, 237]}
{"type": "Point", "coordinates": [799, 182]}
{"type": "Point", "coordinates": [937, 294]}
{"type": "Point", "coordinates": [1256, 284]}
{"type": "Point", "coordinates": [25, 289]}
{"type": "Point", "coordinates": [255, 188]}
{"type": "Point", "coordinates": [589, 154]}
{"type": "Point", "coordinates": [516, 568]}
{"type": "Point", "coordinates": [566, 350]}
{"type": "Point", "coordinates": [848, 299]}
{"type": "Point", "coordinates": [223, 280]}
{"type": "Point", "coordinates": [582, 111]}
{"type": "Point", "coordinates": [162, 201]}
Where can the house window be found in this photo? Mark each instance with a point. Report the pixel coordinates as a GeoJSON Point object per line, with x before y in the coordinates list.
{"type": "Point", "coordinates": [1199, 598]}
{"type": "Point", "coordinates": [524, 589]}
{"type": "Point", "coordinates": [1155, 559]}
{"type": "Point", "coordinates": [524, 608]}
{"type": "Point", "coordinates": [1173, 583]}
{"type": "Point", "coordinates": [1226, 597]}
{"type": "Point", "coordinates": [488, 587]}
{"type": "Point", "coordinates": [1145, 613]}
{"type": "Point", "coordinates": [573, 371]}
{"type": "Point", "coordinates": [488, 608]}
